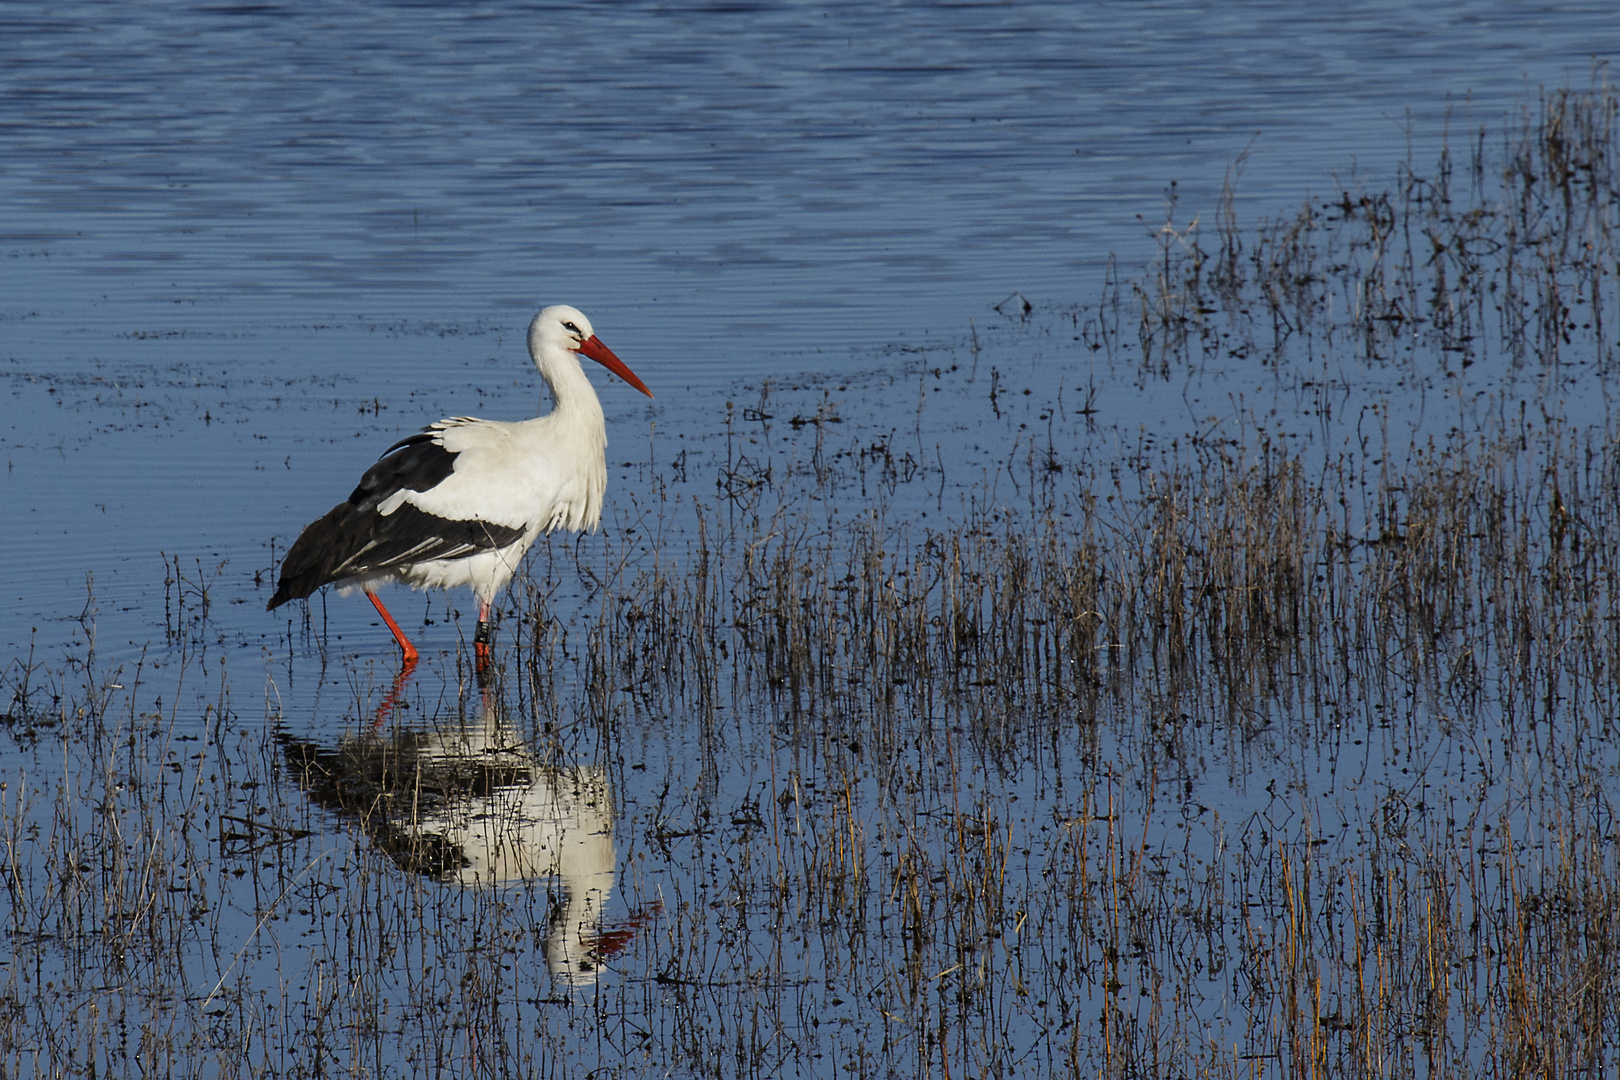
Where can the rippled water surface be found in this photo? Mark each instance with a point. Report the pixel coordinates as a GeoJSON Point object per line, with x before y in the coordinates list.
{"type": "Point", "coordinates": [244, 247]}
{"type": "Point", "coordinates": [216, 212]}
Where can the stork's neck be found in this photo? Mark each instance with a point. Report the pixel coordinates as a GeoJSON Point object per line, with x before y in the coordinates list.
{"type": "Point", "coordinates": [571, 391]}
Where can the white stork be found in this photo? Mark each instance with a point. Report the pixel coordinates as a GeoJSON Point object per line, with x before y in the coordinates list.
{"type": "Point", "coordinates": [459, 502]}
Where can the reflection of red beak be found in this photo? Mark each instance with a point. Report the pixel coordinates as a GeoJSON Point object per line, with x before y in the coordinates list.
{"type": "Point", "coordinates": [593, 348]}
{"type": "Point", "coordinates": [611, 940]}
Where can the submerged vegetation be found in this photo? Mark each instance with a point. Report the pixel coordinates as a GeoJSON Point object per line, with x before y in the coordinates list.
{"type": "Point", "coordinates": [1269, 726]}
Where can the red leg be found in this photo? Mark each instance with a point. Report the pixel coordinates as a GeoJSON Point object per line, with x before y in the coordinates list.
{"type": "Point", "coordinates": [405, 645]}
{"type": "Point", "coordinates": [481, 639]}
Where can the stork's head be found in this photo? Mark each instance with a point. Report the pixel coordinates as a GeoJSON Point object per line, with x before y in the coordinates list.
{"type": "Point", "coordinates": [564, 327]}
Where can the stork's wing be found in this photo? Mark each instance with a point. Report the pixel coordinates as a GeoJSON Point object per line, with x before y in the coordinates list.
{"type": "Point", "coordinates": [379, 528]}
{"type": "Point", "coordinates": [417, 462]}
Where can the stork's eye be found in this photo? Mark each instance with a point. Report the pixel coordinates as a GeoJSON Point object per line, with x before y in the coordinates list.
{"type": "Point", "coordinates": [571, 328]}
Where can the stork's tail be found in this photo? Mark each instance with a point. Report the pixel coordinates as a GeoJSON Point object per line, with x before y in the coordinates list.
{"type": "Point", "coordinates": [323, 546]}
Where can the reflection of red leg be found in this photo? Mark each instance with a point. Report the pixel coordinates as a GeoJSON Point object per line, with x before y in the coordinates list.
{"type": "Point", "coordinates": [386, 709]}
{"type": "Point", "coordinates": [405, 645]}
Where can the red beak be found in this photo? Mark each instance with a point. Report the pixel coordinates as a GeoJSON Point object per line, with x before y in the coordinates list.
{"type": "Point", "coordinates": [593, 348]}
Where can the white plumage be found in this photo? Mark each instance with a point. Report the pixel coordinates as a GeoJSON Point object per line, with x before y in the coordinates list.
{"type": "Point", "coordinates": [459, 502]}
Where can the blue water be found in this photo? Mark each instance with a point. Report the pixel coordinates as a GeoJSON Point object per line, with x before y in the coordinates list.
{"type": "Point", "coordinates": [722, 184]}
{"type": "Point", "coordinates": [219, 209]}
{"type": "Point", "coordinates": [243, 247]}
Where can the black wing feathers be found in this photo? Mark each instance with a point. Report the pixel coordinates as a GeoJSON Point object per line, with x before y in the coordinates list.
{"type": "Point", "coordinates": [353, 538]}
{"type": "Point", "coordinates": [417, 462]}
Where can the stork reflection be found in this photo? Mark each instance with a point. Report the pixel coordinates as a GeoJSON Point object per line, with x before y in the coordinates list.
{"type": "Point", "coordinates": [468, 803]}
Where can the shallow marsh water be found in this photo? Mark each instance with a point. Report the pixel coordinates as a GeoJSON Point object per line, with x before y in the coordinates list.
{"type": "Point", "coordinates": [266, 216]}
{"type": "Point", "coordinates": [1209, 670]}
